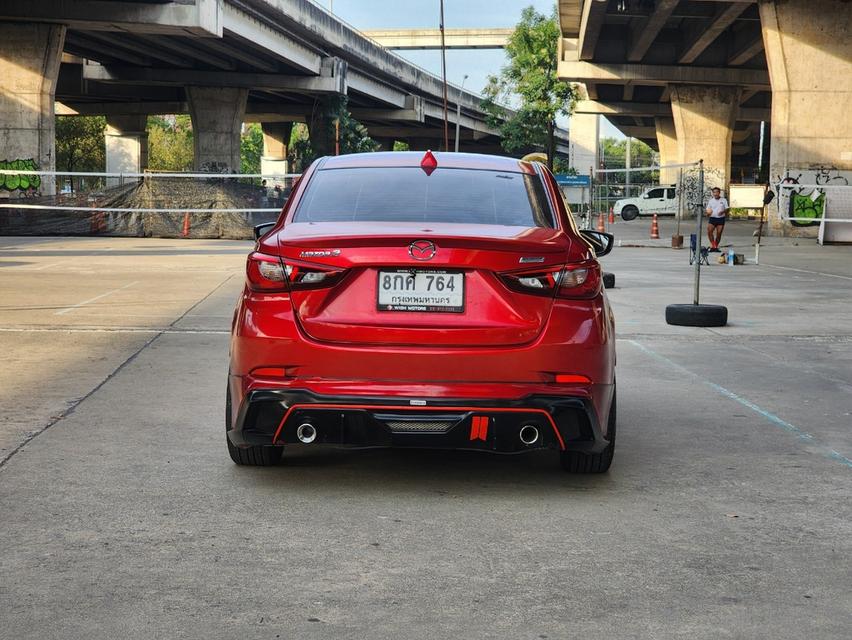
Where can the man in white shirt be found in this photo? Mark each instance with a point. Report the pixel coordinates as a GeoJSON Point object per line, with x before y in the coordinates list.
{"type": "Point", "coordinates": [717, 209]}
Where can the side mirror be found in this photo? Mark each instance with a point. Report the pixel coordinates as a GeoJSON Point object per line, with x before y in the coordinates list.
{"type": "Point", "coordinates": [601, 242]}
{"type": "Point", "coordinates": [261, 229]}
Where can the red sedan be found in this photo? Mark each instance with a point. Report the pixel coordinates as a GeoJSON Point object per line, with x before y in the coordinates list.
{"type": "Point", "coordinates": [437, 301]}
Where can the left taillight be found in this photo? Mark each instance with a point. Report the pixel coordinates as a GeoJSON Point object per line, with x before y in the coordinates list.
{"type": "Point", "coordinates": [270, 273]}
{"type": "Point", "coordinates": [577, 281]}
{"type": "Point", "coordinates": [265, 272]}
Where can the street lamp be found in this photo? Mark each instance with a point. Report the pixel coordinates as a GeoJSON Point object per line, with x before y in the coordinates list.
{"type": "Point", "coordinates": [458, 112]}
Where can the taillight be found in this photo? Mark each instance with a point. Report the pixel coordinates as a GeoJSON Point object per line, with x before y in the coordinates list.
{"type": "Point", "coordinates": [265, 272]}
{"type": "Point", "coordinates": [302, 276]}
{"type": "Point", "coordinates": [572, 281]}
{"type": "Point", "coordinates": [270, 273]}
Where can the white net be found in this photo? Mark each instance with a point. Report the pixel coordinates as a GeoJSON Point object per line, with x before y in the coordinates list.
{"type": "Point", "coordinates": [160, 204]}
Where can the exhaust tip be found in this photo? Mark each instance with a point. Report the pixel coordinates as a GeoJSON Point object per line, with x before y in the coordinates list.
{"type": "Point", "coordinates": [306, 433]}
{"type": "Point", "coordinates": [528, 434]}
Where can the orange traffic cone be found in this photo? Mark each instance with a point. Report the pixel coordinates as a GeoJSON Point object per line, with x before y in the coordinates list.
{"type": "Point", "coordinates": [185, 232]}
{"type": "Point", "coordinates": [655, 229]}
{"type": "Point", "coordinates": [601, 226]}
{"type": "Point", "coordinates": [611, 216]}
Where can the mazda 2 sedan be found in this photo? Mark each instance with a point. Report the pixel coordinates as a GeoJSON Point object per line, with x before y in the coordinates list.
{"type": "Point", "coordinates": [442, 301]}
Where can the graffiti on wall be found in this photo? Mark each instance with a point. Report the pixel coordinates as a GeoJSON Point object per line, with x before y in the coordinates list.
{"type": "Point", "coordinates": [806, 205]}
{"type": "Point", "coordinates": [19, 181]}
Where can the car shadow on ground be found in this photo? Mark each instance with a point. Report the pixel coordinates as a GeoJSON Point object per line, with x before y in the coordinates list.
{"type": "Point", "coordinates": [413, 470]}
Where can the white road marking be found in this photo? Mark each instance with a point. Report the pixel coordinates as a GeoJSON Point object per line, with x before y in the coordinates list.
{"type": "Point", "coordinates": [90, 300]}
{"type": "Point", "coordinates": [818, 273]}
{"type": "Point", "coordinates": [67, 329]}
{"type": "Point", "coordinates": [45, 266]}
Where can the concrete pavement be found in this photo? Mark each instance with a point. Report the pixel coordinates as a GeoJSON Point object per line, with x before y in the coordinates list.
{"type": "Point", "coordinates": [726, 513]}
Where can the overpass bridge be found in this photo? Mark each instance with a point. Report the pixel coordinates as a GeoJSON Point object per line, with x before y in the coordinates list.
{"type": "Point", "coordinates": [695, 78]}
{"type": "Point", "coordinates": [224, 62]}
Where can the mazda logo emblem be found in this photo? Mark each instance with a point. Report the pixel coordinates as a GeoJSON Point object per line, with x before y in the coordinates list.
{"type": "Point", "coordinates": [422, 250]}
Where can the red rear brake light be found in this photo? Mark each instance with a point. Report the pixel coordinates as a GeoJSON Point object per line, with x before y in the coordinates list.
{"type": "Point", "coordinates": [265, 272]}
{"type": "Point", "coordinates": [269, 273]}
{"type": "Point", "coordinates": [573, 281]}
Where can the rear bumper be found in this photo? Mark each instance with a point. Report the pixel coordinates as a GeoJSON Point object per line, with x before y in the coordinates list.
{"type": "Point", "coordinates": [273, 416]}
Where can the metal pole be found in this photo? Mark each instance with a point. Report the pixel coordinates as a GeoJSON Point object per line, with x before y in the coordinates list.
{"type": "Point", "coordinates": [627, 159]}
{"type": "Point", "coordinates": [679, 199]}
{"type": "Point", "coordinates": [458, 114]}
{"type": "Point", "coordinates": [444, 76]}
{"type": "Point", "coordinates": [699, 214]}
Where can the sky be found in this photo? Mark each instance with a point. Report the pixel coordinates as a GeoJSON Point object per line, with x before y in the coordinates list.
{"type": "Point", "coordinates": [413, 14]}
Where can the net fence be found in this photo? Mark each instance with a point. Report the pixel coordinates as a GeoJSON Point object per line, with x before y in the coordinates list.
{"type": "Point", "coordinates": [807, 205]}
{"type": "Point", "coordinates": [627, 193]}
{"type": "Point", "coordinates": [149, 204]}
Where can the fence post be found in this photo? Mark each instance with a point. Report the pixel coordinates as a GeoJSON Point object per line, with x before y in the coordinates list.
{"type": "Point", "coordinates": [699, 215]}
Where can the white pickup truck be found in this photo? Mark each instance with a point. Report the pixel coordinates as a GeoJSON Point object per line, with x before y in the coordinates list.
{"type": "Point", "coordinates": [661, 200]}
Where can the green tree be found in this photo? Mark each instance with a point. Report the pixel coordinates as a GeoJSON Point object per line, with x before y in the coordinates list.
{"type": "Point", "coordinates": [614, 156]}
{"type": "Point", "coordinates": [80, 144]}
{"type": "Point", "coordinates": [530, 76]}
{"type": "Point", "coordinates": [170, 143]}
{"type": "Point", "coordinates": [354, 137]}
{"type": "Point", "coordinates": [251, 148]}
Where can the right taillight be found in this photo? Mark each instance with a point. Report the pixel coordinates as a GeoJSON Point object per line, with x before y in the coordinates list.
{"type": "Point", "coordinates": [570, 281]}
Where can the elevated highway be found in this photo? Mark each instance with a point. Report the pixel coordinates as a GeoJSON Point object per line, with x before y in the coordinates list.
{"type": "Point", "coordinates": [223, 61]}
{"type": "Point", "coordinates": [696, 78]}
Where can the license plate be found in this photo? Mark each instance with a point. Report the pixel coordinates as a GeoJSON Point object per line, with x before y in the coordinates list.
{"type": "Point", "coordinates": [406, 290]}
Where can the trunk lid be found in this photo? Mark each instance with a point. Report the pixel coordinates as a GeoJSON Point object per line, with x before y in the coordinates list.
{"type": "Point", "coordinates": [491, 314]}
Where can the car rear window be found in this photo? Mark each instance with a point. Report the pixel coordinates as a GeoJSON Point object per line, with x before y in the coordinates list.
{"type": "Point", "coordinates": [407, 194]}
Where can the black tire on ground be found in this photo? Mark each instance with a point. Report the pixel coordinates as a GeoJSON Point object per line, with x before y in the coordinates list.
{"type": "Point", "coordinates": [576, 462]}
{"type": "Point", "coordinates": [254, 456]}
{"type": "Point", "coordinates": [608, 280]}
{"type": "Point", "coordinates": [697, 315]}
{"type": "Point", "coordinates": [629, 213]}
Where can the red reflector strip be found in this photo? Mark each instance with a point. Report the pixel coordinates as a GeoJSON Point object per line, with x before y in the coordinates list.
{"type": "Point", "coordinates": [571, 378]}
{"type": "Point", "coordinates": [269, 372]}
{"type": "Point", "coordinates": [479, 428]}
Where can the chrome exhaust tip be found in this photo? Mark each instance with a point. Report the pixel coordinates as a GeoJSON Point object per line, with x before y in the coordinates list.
{"type": "Point", "coordinates": [528, 434]}
{"type": "Point", "coordinates": [306, 433]}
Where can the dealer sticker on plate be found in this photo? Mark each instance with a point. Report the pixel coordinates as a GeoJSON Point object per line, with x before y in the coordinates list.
{"type": "Point", "coordinates": [407, 290]}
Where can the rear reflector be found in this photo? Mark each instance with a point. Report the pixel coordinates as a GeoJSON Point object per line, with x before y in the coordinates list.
{"type": "Point", "coordinates": [571, 378]}
{"type": "Point", "coordinates": [269, 372]}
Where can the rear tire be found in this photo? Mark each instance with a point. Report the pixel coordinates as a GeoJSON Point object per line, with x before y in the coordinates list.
{"type": "Point", "coordinates": [576, 462]}
{"type": "Point", "coordinates": [629, 213]}
{"type": "Point", "coordinates": [255, 455]}
{"type": "Point", "coordinates": [608, 280]}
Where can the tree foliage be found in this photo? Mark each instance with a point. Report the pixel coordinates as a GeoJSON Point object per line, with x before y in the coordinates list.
{"type": "Point", "coordinates": [614, 156]}
{"type": "Point", "coordinates": [80, 144]}
{"type": "Point", "coordinates": [251, 148]}
{"type": "Point", "coordinates": [170, 143]}
{"type": "Point", "coordinates": [530, 76]}
{"type": "Point", "coordinates": [307, 141]}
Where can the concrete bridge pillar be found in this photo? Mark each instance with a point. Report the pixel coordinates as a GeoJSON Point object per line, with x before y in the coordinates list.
{"type": "Point", "coordinates": [217, 117]}
{"type": "Point", "coordinates": [276, 141]}
{"type": "Point", "coordinates": [321, 126]}
{"type": "Point", "coordinates": [126, 145]}
{"type": "Point", "coordinates": [704, 125]}
{"type": "Point", "coordinates": [31, 54]}
{"type": "Point", "coordinates": [583, 134]}
{"type": "Point", "coordinates": [669, 154]}
{"type": "Point", "coordinates": [809, 53]}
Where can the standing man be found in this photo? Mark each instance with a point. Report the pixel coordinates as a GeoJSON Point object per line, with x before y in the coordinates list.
{"type": "Point", "coordinates": [717, 209]}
